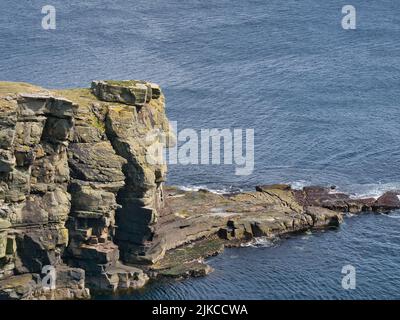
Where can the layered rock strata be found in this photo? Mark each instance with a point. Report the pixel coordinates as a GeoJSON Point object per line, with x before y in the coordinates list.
{"type": "Point", "coordinates": [34, 201]}
{"type": "Point", "coordinates": [79, 194]}
{"type": "Point", "coordinates": [200, 223]}
{"type": "Point", "coordinates": [68, 160]}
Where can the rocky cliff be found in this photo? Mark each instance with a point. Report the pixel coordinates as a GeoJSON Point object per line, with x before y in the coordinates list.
{"type": "Point", "coordinates": [78, 194]}
{"type": "Point", "coordinates": [72, 168]}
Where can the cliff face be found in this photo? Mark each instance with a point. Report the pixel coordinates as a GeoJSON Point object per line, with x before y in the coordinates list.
{"type": "Point", "coordinates": [72, 168]}
{"type": "Point", "coordinates": [79, 194]}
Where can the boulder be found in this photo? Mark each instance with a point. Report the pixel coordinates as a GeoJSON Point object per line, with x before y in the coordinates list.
{"type": "Point", "coordinates": [130, 92]}
{"type": "Point", "coordinates": [388, 201]}
{"type": "Point", "coordinates": [323, 217]}
{"type": "Point", "coordinates": [118, 277]}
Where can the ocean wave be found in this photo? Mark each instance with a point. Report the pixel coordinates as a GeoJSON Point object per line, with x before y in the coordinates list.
{"type": "Point", "coordinates": [356, 191]}
{"type": "Point", "coordinates": [392, 215]}
{"type": "Point", "coordinates": [373, 190]}
{"type": "Point", "coordinates": [222, 190]}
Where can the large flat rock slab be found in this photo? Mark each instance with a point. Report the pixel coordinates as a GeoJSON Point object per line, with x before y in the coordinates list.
{"type": "Point", "coordinates": [131, 92]}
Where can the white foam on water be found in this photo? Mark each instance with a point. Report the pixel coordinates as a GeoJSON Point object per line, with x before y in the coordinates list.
{"type": "Point", "coordinates": [393, 215]}
{"type": "Point", "coordinates": [258, 242]}
{"type": "Point", "coordinates": [371, 190]}
{"type": "Point", "coordinates": [299, 185]}
{"type": "Point", "coordinates": [356, 191]}
{"type": "Point", "coordinates": [349, 215]}
{"type": "Point", "coordinates": [223, 190]}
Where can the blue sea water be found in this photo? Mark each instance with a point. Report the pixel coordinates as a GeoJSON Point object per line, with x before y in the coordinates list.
{"type": "Point", "coordinates": [308, 266]}
{"type": "Point", "coordinates": [323, 101]}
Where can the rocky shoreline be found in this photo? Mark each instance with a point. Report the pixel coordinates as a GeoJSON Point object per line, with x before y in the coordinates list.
{"type": "Point", "coordinates": [233, 220]}
{"type": "Point", "coordinates": [77, 194]}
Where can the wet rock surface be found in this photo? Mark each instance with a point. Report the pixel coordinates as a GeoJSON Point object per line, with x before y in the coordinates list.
{"type": "Point", "coordinates": [78, 193]}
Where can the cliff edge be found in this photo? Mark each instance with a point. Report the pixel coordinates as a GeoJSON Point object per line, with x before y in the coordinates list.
{"type": "Point", "coordinates": [72, 169]}
{"type": "Point", "coordinates": [83, 210]}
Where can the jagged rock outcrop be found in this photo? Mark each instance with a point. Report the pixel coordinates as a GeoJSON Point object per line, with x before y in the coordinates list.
{"type": "Point", "coordinates": [112, 184]}
{"type": "Point", "coordinates": [68, 160]}
{"type": "Point", "coordinates": [34, 176]}
{"type": "Point", "coordinates": [269, 211]}
{"type": "Point", "coordinates": [81, 191]}
{"type": "Point", "coordinates": [209, 221]}
{"type": "Point", "coordinates": [132, 92]}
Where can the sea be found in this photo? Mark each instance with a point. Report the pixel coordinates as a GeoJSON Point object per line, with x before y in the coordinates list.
{"type": "Point", "coordinates": [323, 102]}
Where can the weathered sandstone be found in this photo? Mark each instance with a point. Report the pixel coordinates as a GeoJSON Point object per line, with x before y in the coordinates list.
{"type": "Point", "coordinates": [69, 159]}
{"type": "Point", "coordinates": [78, 193]}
